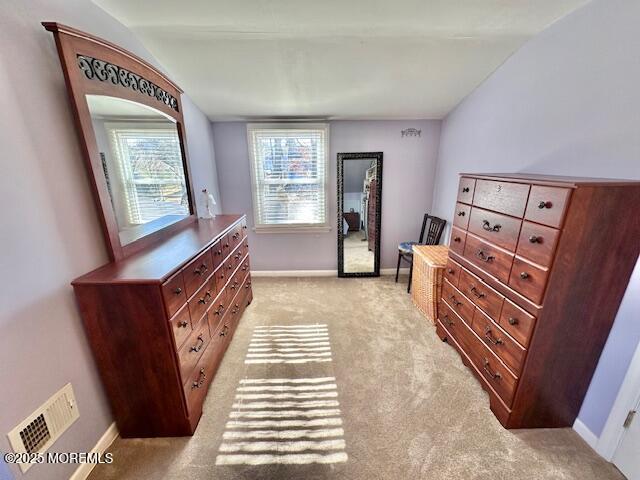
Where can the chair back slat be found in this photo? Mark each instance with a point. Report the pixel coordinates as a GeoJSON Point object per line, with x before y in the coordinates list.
{"type": "Point", "coordinates": [436, 227]}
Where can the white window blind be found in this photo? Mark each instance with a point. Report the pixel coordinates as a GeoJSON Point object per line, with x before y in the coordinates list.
{"type": "Point", "coordinates": [152, 173]}
{"type": "Point", "coordinates": [289, 170]}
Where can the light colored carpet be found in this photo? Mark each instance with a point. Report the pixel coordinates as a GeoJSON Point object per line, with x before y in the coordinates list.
{"type": "Point", "coordinates": [357, 257]}
{"type": "Point", "coordinates": [408, 407]}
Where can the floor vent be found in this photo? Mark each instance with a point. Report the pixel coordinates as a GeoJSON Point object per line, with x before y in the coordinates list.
{"type": "Point", "coordinates": [44, 426]}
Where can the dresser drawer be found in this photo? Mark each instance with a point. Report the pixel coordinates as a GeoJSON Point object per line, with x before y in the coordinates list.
{"type": "Point", "coordinates": [495, 227]}
{"type": "Point", "coordinates": [458, 238]}
{"type": "Point", "coordinates": [217, 254]}
{"type": "Point", "coordinates": [174, 294]}
{"type": "Point", "coordinates": [499, 342]}
{"type": "Point", "coordinates": [196, 272]}
{"type": "Point", "coordinates": [221, 278]}
{"type": "Point", "coordinates": [517, 323]}
{"type": "Point", "coordinates": [547, 205]}
{"type": "Point", "coordinates": [458, 302]}
{"type": "Point", "coordinates": [461, 215]}
{"type": "Point", "coordinates": [226, 245]}
{"type": "Point", "coordinates": [492, 369]}
{"type": "Point", "coordinates": [481, 294]}
{"type": "Point", "coordinates": [452, 322]}
{"type": "Point", "coordinates": [537, 243]}
{"type": "Point", "coordinates": [181, 326]}
{"type": "Point", "coordinates": [491, 259]}
{"type": "Point", "coordinates": [504, 197]}
{"type": "Point", "coordinates": [452, 272]}
{"type": "Point", "coordinates": [465, 189]}
{"type": "Point", "coordinates": [199, 303]}
{"type": "Point", "coordinates": [237, 255]}
{"type": "Point", "coordinates": [235, 236]}
{"type": "Point", "coordinates": [245, 265]}
{"type": "Point", "coordinates": [218, 309]}
{"type": "Point", "coordinates": [192, 349]}
{"type": "Point", "coordinates": [528, 279]}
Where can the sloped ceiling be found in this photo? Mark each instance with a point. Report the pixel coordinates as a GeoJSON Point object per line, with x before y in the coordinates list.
{"type": "Point", "coordinates": [341, 59]}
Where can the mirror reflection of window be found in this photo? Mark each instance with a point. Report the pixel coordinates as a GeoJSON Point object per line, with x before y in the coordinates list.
{"type": "Point", "coordinates": [142, 160]}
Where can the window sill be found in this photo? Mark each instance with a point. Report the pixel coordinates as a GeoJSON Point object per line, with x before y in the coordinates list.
{"type": "Point", "coordinates": [293, 229]}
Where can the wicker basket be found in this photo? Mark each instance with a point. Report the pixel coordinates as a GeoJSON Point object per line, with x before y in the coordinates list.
{"type": "Point", "coordinates": [428, 268]}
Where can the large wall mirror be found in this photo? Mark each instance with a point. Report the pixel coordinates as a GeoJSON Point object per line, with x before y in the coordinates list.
{"type": "Point", "coordinates": [130, 124]}
{"type": "Point", "coordinates": [359, 214]}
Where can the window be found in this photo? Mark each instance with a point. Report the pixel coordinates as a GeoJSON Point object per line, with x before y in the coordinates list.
{"type": "Point", "coordinates": [150, 163]}
{"type": "Point", "coordinates": [289, 174]}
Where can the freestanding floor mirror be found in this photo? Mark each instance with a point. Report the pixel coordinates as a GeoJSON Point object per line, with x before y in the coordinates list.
{"type": "Point", "coordinates": [359, 212]}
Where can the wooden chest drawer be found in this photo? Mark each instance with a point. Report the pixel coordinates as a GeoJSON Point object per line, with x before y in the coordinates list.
{"type": "Point", "coordinates": [218, 309]}
{"type": "Point", "coordinates": [495, 227]}
{"type": "Point", "coordinates": [238, 255]}
{"type": "Point", "coordinates": [217, 254]}
{"type": "Point", "coordinates": [466, 188]}
{"type": "Point", "coordinates": [235, 236]}
{"type": "Point", "coordinates": [518, 323]}
{"type": "Point", "coordinates": [173, 294]}
{"type": "Point", "coordinates": [491, 259]}
{"type": "Point", "coordinates": [461, 215]}
{"type": "Point", "coordinates": [451, 321]}
{"type": "Point", "coordinates": [458, 302]}
{"type": "Point", "coordinates": [196, 272]}
{"type": "Point", "coordinates": [452, 272]}
{"type": "Point", "coordinates": [200, 302]}
{"type": "Point", "coordinates": [458, 238]}
{"type": "Point", "coordinates": [547, 205]}
{"type": "Point", "coordinates": [499, 342]}
{"type": "Point", "coordinates": [181, 326]}
{"type": "Point", "coordinates": [481, 294]}
{"type": "Point", "coordinates": [245, 265]}
{"type": "Point", "coordinates": [492, 369]}
{"type": "Point", "coordinates": [221, 278]}
{"type": "Point", "coordinates": [504, 197]}
{"type": "Point", "coordinates": [226, 245]}
{"type": "Point", "coordinates": [528, 279]}
{"type": "Point", "coordinates": [193, 348]}
{"type": "Point", "coordinates": [537, 243]}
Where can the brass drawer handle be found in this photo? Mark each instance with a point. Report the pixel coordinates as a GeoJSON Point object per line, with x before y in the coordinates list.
{"type": "Point", "coordinates": [513, 321]}
{"type": "Point", "coordinates": [204, 299]}
{"type": "Point", "coordinates": [177, 291]}
{"type": "Point", "coordinates": [495, 376]}
{"type": "Point", "coordinates": [524, 275]}
{"type": "Point", "coordinates": [447, 321]}
{"type": "Point", "coordinates": [544, 204]}
{"type": "Point", "coordinates": [201, 269]}
{"type": "Point", "coordinates": [224, 331]}
{"type": "Point", "coordinates": [454, 300]}
{"type": "Point", "coordinates": [465, 190]}
{"type": "Point", "coordinates": [477, 293]}
{"type": "Point", "coordinates": [535, 239]}
{"type": "Point", "coordinates": [484, 257]}
{"type": "Point", "coordinates": [487, 226]}
{"type": "Point", "coordinates": [247, 285]}
{"type": "Point", "coordinates": [457, 239]}
{"type": "Point", "coordinates": [489, 336]}
{"type": "Point", "coordinates": [201, 378]}
{"type": "Point", "coordinates": [219, 310]}
{"type": "Point", "coordinates": [183, 324]}
{"type": "Point", "coordinates": [461, 214]}
{"type": "Point", "coordinates": [196, 347]}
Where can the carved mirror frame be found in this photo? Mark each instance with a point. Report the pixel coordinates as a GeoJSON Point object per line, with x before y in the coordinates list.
{"type": "Point", "coordinates": [343, 157]}
{"type": "Point", "coordinates": [93, 66]}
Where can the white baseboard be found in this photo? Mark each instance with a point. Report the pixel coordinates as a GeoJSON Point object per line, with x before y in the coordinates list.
{"type": "Point", "coordinates": [586, 434]}
{"type": "Point", "coordinates": [317, 273]}
{"type": "Point", "coordinates": [105, 441]}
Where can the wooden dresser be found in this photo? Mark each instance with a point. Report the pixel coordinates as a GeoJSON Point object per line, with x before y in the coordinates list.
{"type": "Point", "coordinates": [353, 219]}
{"type": "Point", "coordinates": [537, 268]}
{"type": "Point", "coordinates": [160, 321]}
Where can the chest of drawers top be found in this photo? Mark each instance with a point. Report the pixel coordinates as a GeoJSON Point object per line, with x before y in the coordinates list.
{"type": "Point", "coordinates": [160, 261]}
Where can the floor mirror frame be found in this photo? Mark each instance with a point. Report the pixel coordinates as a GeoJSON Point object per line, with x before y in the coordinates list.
{"type": "Point", "coordinates": [342, 157]}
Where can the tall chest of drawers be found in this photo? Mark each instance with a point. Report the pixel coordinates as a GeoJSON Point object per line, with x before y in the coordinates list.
{"type": "Point", "coordinates": [160, 321]}
{"type": "Point", "coordinates": [537, 268]}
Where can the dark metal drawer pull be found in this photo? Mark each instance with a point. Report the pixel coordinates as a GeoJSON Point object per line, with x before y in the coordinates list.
{"type": "Point", "coordinates": [465, 190]}
{"type": "Point", "coordinates": [487, 226]}
{"type": "Point", "coordinates": [224, 331]}
{"type": "Point", "coordinates": [484, 257]}
{"type": "Point", "coordinates": [524, 275]}
{"type": "Point", "coordinates": [196, 347]}
{"type": "Point", "coordinates": [477, 293]}
{"type": "Point", "coordinates": [201, 269]}
{"type": "Point", "coordinates": [489, 336]}
{"type": "Point", "coordinates": [247, 285]}
{"type": "Point", "coordinates": [450, 271]}
{"type": "Point", "coordinates": [219, 310]}
{"type": "Point", "coordinates": [201, 378]}
{"type": "Point", "coordinates": [177, 291]}
{"type": "Point", "coordinates": [544, 204]}
{"type": "Point", "coordinates": [183, 324]}
{"type": "Point", "coordinates": [457, 239]}
{"type": "Point", "coordinates": [535, 239]}
{"type": "Point", "coordinates": [447, 321]}
{"type": "Point", "coordinates": [495, 375]}
{"type": "Point", "coordinates": [203, 300]}
{"type": "Point", "coordinates": [454, 301]}
{"type": "Point", "coordinates": [461, 214]}
{"type": "Point", "coordinates": [513, 321]}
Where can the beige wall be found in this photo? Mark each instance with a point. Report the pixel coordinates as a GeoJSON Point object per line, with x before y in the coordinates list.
{"type": "Point", "coordinates": [49, 233]}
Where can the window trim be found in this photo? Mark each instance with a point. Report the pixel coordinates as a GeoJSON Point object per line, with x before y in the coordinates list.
{"type": "Point", "coordinates": [291, 227]}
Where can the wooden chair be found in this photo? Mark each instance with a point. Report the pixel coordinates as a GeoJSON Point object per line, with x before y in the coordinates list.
{"type": "Point", "coordinates": [405, 249]}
